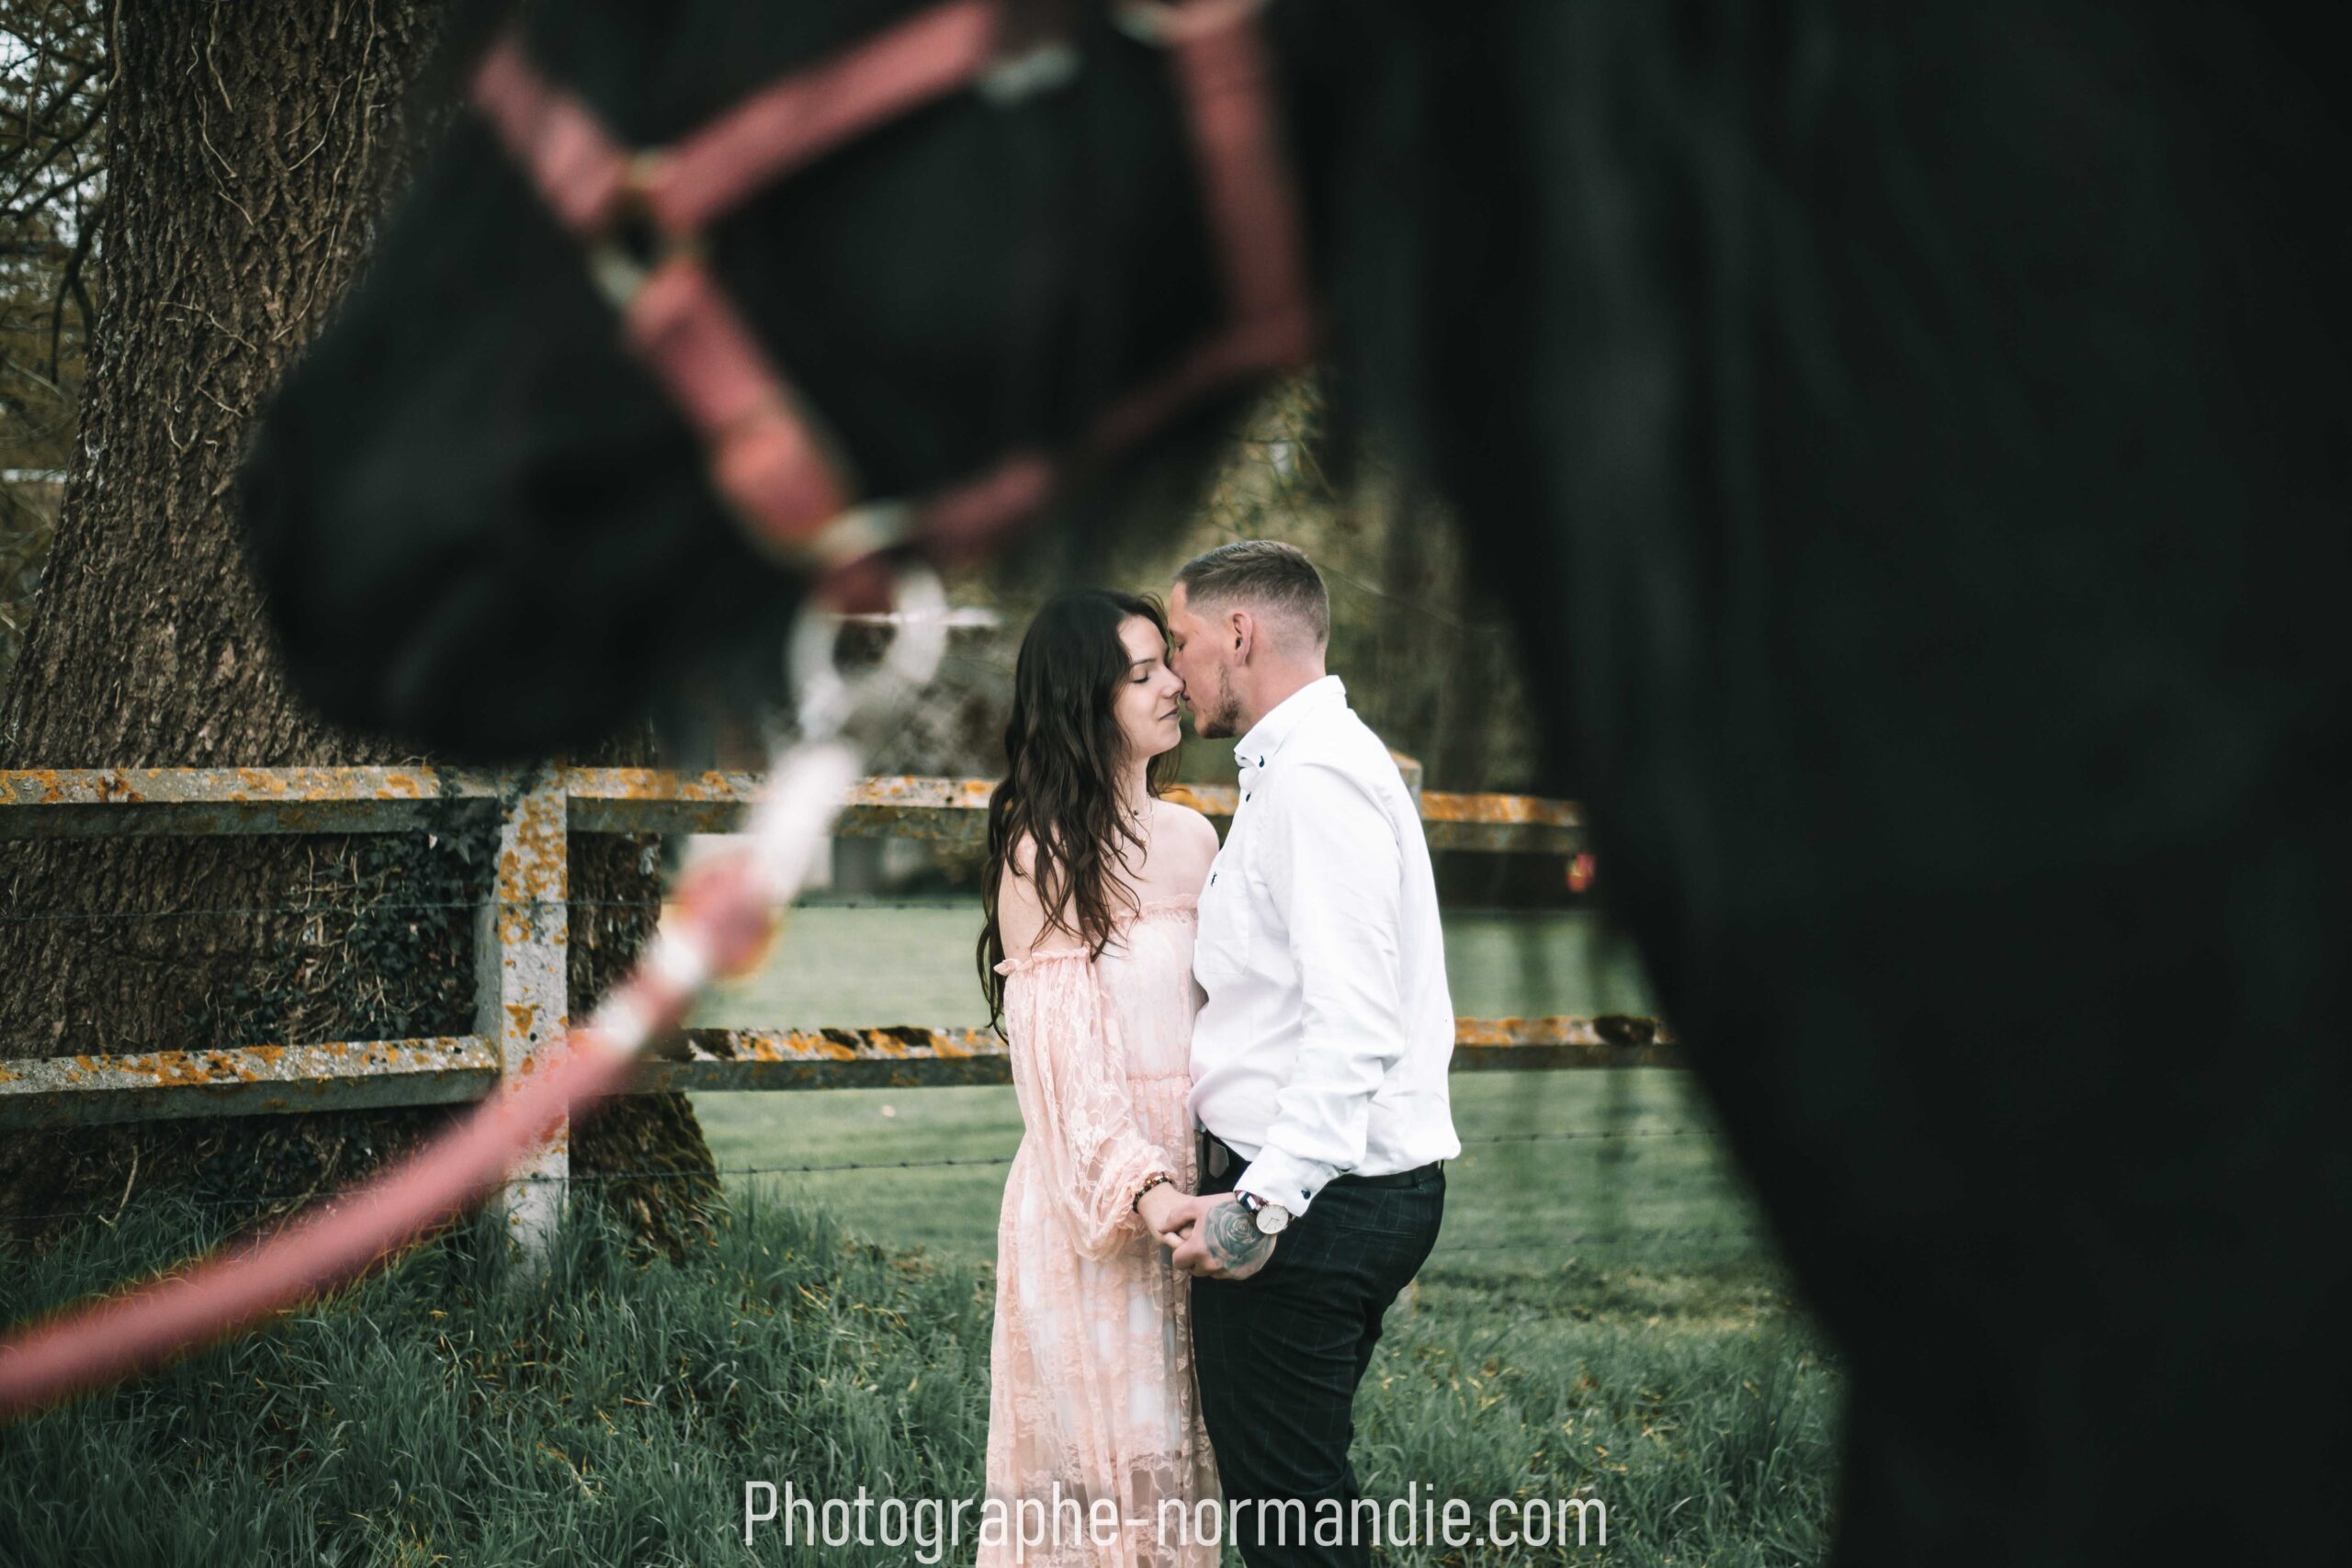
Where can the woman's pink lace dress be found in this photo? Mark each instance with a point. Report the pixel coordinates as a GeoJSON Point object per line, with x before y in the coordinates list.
{"type": "Point", "coordinates": [1091, 1382]}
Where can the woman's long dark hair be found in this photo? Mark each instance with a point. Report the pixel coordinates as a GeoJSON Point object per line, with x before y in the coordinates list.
{"type": "Point", "coordinates": [1063, 750]}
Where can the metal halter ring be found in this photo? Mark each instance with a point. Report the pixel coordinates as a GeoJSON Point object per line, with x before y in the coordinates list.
{"type": "Point", "coordinates": [632, 243]}
{"type": "Point", "coordinates": [1162, 23]}
{"type": "Point", "coordinates": [831, 702]}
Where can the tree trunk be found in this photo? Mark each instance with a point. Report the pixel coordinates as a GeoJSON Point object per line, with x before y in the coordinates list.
{"type": "Point", "coordinates": [251, 153]}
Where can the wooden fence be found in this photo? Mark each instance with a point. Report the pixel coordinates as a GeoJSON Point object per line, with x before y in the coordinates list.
{"type": "Point", "coordinates": [521, 1007]}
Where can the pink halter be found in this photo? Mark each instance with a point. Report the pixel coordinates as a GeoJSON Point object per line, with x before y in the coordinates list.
{"type": "Point", "coordinates": [771, 457]}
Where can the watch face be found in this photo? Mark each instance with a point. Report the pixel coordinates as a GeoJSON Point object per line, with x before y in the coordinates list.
{"type": "Point", "coordinates": [1271, 1219]}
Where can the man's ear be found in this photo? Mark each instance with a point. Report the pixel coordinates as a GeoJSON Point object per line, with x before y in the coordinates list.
{"type": "Point", "coordinates": [1242, 627]}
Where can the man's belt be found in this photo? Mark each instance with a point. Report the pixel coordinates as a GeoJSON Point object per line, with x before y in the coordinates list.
{"type": "Point", "coordinates": [1217, 1157]}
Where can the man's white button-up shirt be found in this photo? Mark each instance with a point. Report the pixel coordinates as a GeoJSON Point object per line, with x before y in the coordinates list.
{"type": "Point", "coordinates": [1323, 1046]}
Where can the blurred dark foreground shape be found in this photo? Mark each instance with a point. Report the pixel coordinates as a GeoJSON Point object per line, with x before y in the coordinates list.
{"type": "Point", "coordinates": [1911, 443]}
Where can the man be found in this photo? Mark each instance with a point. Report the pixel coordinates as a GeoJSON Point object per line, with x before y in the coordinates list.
{"type": "Point", "coordinates": [1318, 1060]}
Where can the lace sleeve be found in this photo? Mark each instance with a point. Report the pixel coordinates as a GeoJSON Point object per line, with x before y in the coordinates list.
{"type": "Point", "coordinates": [1074, 1098]}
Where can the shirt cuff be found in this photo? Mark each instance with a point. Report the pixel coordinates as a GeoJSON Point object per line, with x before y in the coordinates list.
{"type": "Point", "coordinates": [1283, 1180]}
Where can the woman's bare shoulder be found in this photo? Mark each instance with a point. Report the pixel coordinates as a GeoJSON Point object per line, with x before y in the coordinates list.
{"type": "Point", "coordinates": [1019, 912]}
{"type": "Point", "coordinates": [1021, 859]}
{"type": "Point", "coordinates": [1190, 831]}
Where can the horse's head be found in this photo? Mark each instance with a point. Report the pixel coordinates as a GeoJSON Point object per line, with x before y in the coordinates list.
{"type": "Point", "coordinates": [488, 524]}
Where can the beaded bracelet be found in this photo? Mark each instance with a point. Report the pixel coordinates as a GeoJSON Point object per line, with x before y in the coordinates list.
{"type": "Point", "coordinates": [1135, 1204]}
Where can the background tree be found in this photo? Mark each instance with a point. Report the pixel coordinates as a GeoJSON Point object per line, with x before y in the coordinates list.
{"type": "Point", "coordinates": [247, 154]}
{"type": "Point", "coordinates": [52, 101]}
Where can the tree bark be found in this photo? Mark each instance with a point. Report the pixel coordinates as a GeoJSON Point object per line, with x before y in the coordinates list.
{"type": "Point", "coordinates": [251, 153]}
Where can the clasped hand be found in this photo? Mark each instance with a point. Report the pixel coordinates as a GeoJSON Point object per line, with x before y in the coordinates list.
{"type": "Point", "coordinates": [1211, 1234]}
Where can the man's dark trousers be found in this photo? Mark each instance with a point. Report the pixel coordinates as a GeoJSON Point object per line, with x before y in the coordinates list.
{"type": "Point", "coordinates": [1279, 1355]}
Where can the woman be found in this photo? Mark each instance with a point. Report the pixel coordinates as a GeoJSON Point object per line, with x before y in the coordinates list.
{"type": "Point", "coordinates": [1087, 958]}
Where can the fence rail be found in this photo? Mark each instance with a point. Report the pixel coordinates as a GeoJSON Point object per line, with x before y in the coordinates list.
{"type": "Point", "coordinates": [80, 803]}
{"type": "Point", "coordinates": [521, 1005]}
{"type": "Point", "coordinates": [367, 1074]}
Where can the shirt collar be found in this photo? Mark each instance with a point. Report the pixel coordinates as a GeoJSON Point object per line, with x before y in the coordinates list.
{"type": "Point", "coordinates": [1266, 736]}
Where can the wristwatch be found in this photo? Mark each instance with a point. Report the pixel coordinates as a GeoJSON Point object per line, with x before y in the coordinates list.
{"type": "Point", "coordinates": [1271, 1217]}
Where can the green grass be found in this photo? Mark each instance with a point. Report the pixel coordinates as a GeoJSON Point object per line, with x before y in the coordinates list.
{"type": "Point", "coordinates": [606, 1415]}
{"type": "Point", "coordinates": [612, 1414]}
{"type": "Point", "coordinates": [1598, 1321]}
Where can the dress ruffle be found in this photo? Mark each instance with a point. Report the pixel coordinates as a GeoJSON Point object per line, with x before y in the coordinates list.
{"type": "Point", "coordinates": [1152, 909]}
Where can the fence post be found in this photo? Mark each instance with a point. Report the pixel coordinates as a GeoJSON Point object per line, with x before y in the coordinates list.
{"type": "Point", "coordinates": [520, 946]}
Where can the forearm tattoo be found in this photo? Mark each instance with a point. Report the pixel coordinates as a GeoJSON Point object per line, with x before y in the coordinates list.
{"type": "Point", "coordinates": [1233, 1238]}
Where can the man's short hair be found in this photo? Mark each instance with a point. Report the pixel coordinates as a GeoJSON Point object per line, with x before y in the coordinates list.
{"type": "Point", "coordinates": [1262, 574]}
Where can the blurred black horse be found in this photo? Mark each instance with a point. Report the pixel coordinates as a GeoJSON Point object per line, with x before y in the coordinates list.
{"type": "Point", "coordinates": [1913, 443]}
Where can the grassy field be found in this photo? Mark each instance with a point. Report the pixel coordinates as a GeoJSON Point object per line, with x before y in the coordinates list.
{"type": "Point", "coordinates": [1598, 1254]}
{"type": "Point", "coordinates": [1554, 1167]}
{"type": "Point", "coordinates": [1601, 1322]}
{"type": "Point", "coordinates": [612, 1414]}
